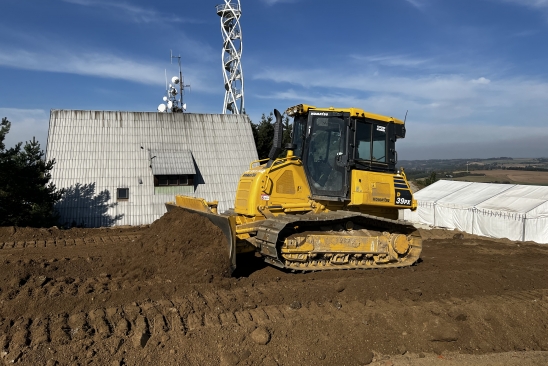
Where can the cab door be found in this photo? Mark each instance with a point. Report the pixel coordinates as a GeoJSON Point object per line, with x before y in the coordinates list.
{"type": "Point", "coordinates": [325, 155]}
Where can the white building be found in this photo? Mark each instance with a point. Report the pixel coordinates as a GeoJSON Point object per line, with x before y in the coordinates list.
{"type": "Point", "coordinates": [119, 168]}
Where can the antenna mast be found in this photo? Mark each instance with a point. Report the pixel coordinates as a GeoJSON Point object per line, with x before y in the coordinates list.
{"type": "Point", "coordinates": [230, 13]}
{"type": "Point", "coordinates": [173, 105]}
{"type": "Point", "coordinates": [182, 85]}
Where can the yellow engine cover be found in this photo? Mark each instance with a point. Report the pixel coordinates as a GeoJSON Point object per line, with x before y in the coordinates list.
{"type": "Point", "coordinates": [281, 188]}
{"type": "Point", "coordinates": [380, 189]}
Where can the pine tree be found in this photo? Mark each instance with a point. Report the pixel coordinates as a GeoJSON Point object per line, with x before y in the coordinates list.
{"type": "Point", "coordinates": [265, 135]}
{"type": "Point", "coordinates": [27, 196]}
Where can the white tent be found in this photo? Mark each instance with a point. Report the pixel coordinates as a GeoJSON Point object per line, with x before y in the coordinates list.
{"type": "Point", "coordinates": [516, 212]}
{"type": "Point", "coordinates": [427, 199]}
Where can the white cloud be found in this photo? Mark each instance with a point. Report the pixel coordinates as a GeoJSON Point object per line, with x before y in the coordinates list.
{"type": "Point", "coordinates": [535, 5]}
{"type": "Point", "coordinates": [481, 80]}
{"type": "Point", "coordinates": [132, 12]}
{"type": "Point", "coordinates": [538, 4]}
{"type": "Point", "coordinates": [525, 33]}
{"type": "Point", "coordinates": [417, 3]}
{"type": "Point", "coordinates": [393, 60]}
{"type": "Point", "coordinates": [450, 115]}
{"type": "Point", "coordinates": [93, 64]}
{"type": "Point", "coordinates": [424, 89]}
{"type": "Point", "coordinates": [439, 129]}
{"type": "Point", "coordinates": [26, 123]}
{"type": "Point", "coordinates": [274, 2]}
{"type": "Point", "coordinates": [80, 60]}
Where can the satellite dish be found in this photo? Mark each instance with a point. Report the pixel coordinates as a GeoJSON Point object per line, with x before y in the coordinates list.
{"type": "Point", "coordinates": [165, 99]}
{"type": "Point", "coordinates": [175, 80]}
{"type": "Point", "coordinates": [170, 104]}
{"type": "Point", "coordinates": [173, 91]}
{"type": "Point", "coordinates": [184, 107]}
{"type": "Point", "coordinates": [162, 108]}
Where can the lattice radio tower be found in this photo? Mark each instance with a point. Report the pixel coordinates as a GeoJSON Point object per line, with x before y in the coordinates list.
{"type": "Point", "coordinates": [230, 13]}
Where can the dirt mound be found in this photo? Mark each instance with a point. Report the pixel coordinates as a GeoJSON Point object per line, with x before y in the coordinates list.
{"type": "Point", "coordinates": [185, 244]}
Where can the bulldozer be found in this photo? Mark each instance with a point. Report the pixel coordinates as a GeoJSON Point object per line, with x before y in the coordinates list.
{"type": "Point", "coordinates": [330, 203]}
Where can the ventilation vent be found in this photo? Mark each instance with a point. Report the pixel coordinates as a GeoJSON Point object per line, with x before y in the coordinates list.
{"type": "Point", "coordinates": [286, 185]}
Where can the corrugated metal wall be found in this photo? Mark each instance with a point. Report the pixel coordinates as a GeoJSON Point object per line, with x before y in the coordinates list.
{"type": "Point", "coordinates": [97, 152]}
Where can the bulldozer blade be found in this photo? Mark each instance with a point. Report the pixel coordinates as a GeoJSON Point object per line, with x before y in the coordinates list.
{"type": "Point", "coordinates": [225, 223]}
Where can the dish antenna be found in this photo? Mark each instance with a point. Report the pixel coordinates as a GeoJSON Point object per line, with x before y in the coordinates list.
{"type": "Point", "coordinates": [172, 103]}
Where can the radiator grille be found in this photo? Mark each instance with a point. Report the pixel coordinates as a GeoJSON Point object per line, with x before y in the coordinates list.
{"type": "Point", "coordinates": [285, 184]}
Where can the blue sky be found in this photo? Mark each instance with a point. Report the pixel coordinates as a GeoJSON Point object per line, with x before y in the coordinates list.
{"type": "Point", "coordinates": [472, 73]}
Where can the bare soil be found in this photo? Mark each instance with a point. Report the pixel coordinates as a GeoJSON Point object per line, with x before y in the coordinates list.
{"type": "Point", "coordinates": [162, 294]}
{"type": "Point", "coordinates": [508, 176]}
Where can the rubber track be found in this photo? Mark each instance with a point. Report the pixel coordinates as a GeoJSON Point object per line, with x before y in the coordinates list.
{"type": "Point", "coordinates": [97, 240]}
{"type": "Point", "coordinates": [137, 323]}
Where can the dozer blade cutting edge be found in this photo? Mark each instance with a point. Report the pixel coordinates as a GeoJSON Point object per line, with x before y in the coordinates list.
{"type": "Point", "coordinates": [225, 223]}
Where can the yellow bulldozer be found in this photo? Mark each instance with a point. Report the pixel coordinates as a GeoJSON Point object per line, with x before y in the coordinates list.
{"type": "Point", "coordinates": [330, 203]}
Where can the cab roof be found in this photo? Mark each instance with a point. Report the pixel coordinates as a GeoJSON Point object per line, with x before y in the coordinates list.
{"type": "Point", "coordinates": [354, 112]}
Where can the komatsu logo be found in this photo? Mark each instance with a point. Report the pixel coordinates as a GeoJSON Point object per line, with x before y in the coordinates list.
{"type": "Point", "coordinates": [319, 114]}
{"type": "Point", "coordinates": [376, 199]}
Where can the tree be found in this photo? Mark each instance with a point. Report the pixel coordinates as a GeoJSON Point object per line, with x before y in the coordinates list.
{"type": "Point", "coordinates": [263, 133]}
{"type": "Point", "coordinates": [288, 128]}
{"type": "Point", "coordinates": [27, 196]}
{"type": "Point", "coordinates": [431, 180]}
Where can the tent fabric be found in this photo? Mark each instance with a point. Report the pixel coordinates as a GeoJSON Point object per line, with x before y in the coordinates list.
{"type": "Point", "coordinates": [428, 196]}
{"type": "Point", "coordinates": [516, 212]}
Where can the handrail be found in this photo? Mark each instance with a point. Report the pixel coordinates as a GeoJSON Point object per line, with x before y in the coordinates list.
{"type": "Point", "coordinates": [227, 7]}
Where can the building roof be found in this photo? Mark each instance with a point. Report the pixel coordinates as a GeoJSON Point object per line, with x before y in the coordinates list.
{"type": "Point", "coordinates": [97, 152]}
{"type": "Point", "coordinates": [171, 162]}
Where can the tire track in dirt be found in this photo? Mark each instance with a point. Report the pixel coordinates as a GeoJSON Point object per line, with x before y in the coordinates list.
{"type": "Point", "coordinates": [512, 321]}
{"type": "Point", "coordinates": [57, 243]}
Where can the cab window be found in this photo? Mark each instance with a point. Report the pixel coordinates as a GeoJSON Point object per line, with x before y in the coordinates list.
{"type": "Point", "coordinates": [363, 141]}
{"type": "Point", "coordinates": [378, 150]}
{"type": "Point", "coordinates": [299, 127]}
{"type": "Point", "coordinates": [370, 144]}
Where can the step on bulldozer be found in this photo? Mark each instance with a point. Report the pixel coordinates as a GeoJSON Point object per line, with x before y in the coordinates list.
{"type": "Point", "coordinates": [330, 203]}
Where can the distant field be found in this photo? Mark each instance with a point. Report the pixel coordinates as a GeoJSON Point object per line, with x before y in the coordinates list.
{"type": "Point", "coordinates": [508, 176]}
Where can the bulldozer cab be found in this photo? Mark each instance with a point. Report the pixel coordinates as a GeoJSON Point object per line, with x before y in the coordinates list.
{"type": "Point", "coordinates": [320, 140]}
{"type": "Point", "coordinates": [331, 144]}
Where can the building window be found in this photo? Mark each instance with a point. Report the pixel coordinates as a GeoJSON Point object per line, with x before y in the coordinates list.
{"type": "Point", "coordinates": [122, 194]}
{"type": "Point", "coordinates": [172, 180]}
